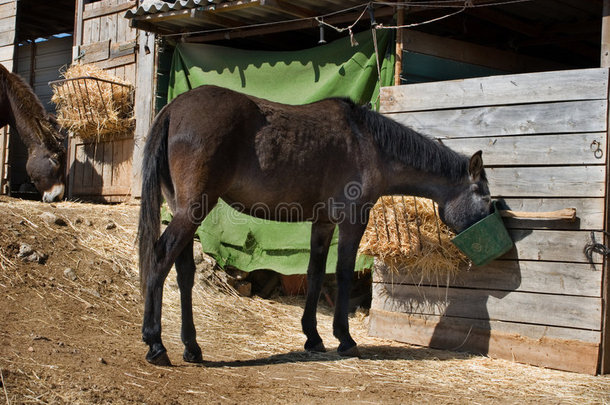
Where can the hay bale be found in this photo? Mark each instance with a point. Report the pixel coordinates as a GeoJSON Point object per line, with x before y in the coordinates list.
{"type": "Point", "coordinates": [407, 234]}
{"type": "Point", "coordinates": [94, 104]}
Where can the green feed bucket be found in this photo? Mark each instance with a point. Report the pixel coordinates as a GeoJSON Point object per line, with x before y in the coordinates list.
{"type": "Point", "coordinates": [486, 240]}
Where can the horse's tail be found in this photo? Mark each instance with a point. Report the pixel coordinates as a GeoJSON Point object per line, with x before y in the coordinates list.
{"type": "Point", "coordinates": [155, 174]}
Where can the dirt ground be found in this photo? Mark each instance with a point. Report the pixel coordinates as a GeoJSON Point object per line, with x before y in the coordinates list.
{"type": "Point", "coordinates": [70, 313]}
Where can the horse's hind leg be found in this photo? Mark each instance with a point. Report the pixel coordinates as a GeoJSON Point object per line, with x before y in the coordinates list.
{"type": "Point", "coordinates": [321, 235]}
{"type": "Point", "coordinates": [185, 269]}
{"type": "Point", "coordinates": [173, 241]}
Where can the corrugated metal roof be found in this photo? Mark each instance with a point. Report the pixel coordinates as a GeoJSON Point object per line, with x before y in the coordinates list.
{"type": "Point", "coordinates": [160, 6]}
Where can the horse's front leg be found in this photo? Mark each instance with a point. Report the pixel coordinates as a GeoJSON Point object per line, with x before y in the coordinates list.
{"type": "Point", "coordinates": [185, 269]}
{"type": "Point", "coordinates": [321, 236]}
{"type": "Point", "coordinates": [349, 239]}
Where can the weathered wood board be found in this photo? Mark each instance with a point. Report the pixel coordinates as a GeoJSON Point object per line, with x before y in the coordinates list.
{"type": "Point", "coordinates": [101, 171]}
{"type": "Point", "coordinates": [544, 142]}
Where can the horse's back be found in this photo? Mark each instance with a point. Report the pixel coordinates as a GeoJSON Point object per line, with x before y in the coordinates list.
{"type": "Point", "coordinates": [254, 151]}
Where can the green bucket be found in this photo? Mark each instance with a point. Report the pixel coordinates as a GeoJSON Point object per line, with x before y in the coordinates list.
{"type": "Point", "coordinates": [486, 240]}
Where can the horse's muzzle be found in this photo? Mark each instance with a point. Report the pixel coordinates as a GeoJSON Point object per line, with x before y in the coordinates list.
{"type": "Point", "coordinates": [55, 193]}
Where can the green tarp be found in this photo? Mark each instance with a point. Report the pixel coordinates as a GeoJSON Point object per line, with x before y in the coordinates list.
{"type": "Point", "coordinates": [296, 77]}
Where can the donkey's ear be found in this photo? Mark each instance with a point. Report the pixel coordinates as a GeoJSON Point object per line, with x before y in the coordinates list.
{"type": "Point", "coordinates": [475, 166]}
{"type": "Point", "coordinates": [54, 159]}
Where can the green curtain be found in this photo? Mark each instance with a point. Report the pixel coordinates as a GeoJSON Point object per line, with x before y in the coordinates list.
{"type": "Point", "coordinates": [296, 77]}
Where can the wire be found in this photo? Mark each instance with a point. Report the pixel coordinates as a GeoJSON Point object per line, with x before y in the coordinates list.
{"type": "Point", "coordinates": [462, 5]}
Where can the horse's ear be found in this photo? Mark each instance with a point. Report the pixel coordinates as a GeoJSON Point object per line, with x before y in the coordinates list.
{"type": "Point", "coordinates": [475, 166]}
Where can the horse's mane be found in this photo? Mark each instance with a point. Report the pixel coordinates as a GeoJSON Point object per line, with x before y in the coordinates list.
{"type": "Point", "coordinates": [28, 105]}
{"type": "Point", "coordinates": [410, 147]}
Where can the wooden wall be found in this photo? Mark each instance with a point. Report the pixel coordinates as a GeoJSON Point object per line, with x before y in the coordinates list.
{"type": "Point", "coordinates": [104, 37]}
{"type": "Point", "coordinates": [542, 302]}
{"type": "Point", "coordinates": [8, 17]}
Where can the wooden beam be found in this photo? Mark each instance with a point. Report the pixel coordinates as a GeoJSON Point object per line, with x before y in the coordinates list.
{"type": "Point", "coordinates": [489, 338]}
{"type": "Point", "coordinates": [505, 20]}
{"type": "Point", "coordinates": [283, 27]}
{"type": "Point", "coordinates": [143, 106]}
{"type": "Point", "coordinates": [604, 363]}
{"type": "Point", "coordinates": [78, 28]}
{"type": "Point", "coordinates": [215, 19]}
{"type": "Point", "coordinates": [107, 9]}
{"type": "Point", "coordinates": [288, 8]}
{"type": "Point", "coordinates": [605, 45]}
{"type": "Point", "coordinates": [474, 54]}
{"type": "Point", "coordinates": [400, 20]}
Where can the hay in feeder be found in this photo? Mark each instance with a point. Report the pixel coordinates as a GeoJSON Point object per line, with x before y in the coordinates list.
{"type": "Point", "coordinates": [407, 235]}
{"type": "Point", "coordinates": [93, 104]}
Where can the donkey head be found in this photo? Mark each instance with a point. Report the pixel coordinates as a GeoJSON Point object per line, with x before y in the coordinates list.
{"type": "Point", "coordinates": [46, 170]}
{"type": "Point", "coordinates": [469, 201]}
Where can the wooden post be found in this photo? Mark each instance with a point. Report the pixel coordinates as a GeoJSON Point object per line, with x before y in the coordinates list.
{"type": "Point", "coordinates": [3, 166]}
{"type": "Point", "coordinates": [78, 28]}
{"type": "Point", "coordinates": [604, 365]}
{"type": "Point", "coordinates": [144, 104]}
{"type": "Point", "coordinates": [400, 19]}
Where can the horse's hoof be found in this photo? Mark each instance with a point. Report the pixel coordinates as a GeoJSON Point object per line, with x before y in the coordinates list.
{"type": "Point", "coordinates": [159, 359]}
{"type": "Point", "coordinates": [192, 356]}
{"type": "Point", "coordinates": [317, 348]}
{"type": "Point", "coordinates": [349, 352]}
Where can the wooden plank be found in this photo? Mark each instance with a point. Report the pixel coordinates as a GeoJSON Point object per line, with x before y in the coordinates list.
{"type": "Point", "coordinates": [506, 275]}
{"type": "Point", "coordinates": [112, 23]}
{"type": "Point", "coordinates": [561, 181]}
{"type": "Point", "coordinates": [106, 8]}
{"type": "Point", "coordinates": [122, 48]}
{"type": "Point", "coordinates": [8, 10]}
{"type": "Point", "coordinates": [474, 54]}
{"type": "Point", "coordinates": [94, 33]}
{"type": "Point", "coordinates": [539, 150]}
{"type": "Point", "coordinates": [589, 213]}
{"type": "Point", "coordinates": [79, 168]}
{"type": "Point", "coordinates": [87, 27]}
{"type": "Point", "coordinates": [507, 306]}
{"type": "Point", "coordinates": [7, 38]}
{"type": "Point", "coordinates": [104, 28]}
{"type": "Point", "coordinates": [605, 347]}
{"type": "Point", "coordinates": [78, 27]}
{"type": "Point", "coordinates": [143, 107]}
{"type": "Point", "coordinates": [130, 73]}
{"type": "Point", "coordinates": [466, 335]}
{"type": "Point", "coordinates": [6, 53]}
{"type": "Point", "coordinates": [554, 246]}
{"type": "Point", "coordinates": [7, 24]}
{"type": "Point", "coordinates": [96, 51]}
{"type": "Point", "coordinates": [528, 88]}
{"type": "Point", "coordinates": [119, 61]}
{"type": "Point", "coordinates": [560, 117]}
{"type": "Point", "coordinates": [3, 152]}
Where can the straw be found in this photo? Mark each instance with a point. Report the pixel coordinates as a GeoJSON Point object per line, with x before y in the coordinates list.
{"type": "Point", "coordinates": [93, 109]}
{"type": "Point", "coordinates": [405, 234]}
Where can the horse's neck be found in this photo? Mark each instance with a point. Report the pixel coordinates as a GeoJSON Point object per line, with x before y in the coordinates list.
{"type": "Point", "coordinates": [23, 121]}
{"type": "Point", "coordinates": [419, 183]}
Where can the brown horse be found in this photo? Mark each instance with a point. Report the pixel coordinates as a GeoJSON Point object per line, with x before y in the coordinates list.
{"type": "Point", "coordinates": [331, 159]}
{"type": "Point", "coordinates": [21, 109]}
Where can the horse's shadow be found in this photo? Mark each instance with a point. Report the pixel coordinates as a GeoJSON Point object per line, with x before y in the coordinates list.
{"type": "Point", "coordinates": [367, 353]}
{"type": "Point", "coordinates": [472, 331]}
